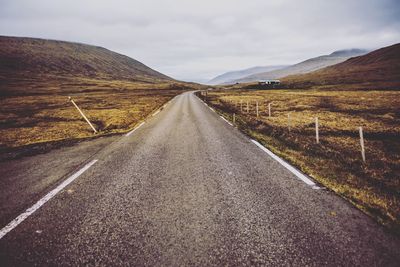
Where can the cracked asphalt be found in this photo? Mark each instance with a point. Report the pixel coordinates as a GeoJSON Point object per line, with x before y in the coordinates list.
{"type": "Point", "coordinates": [184, 189]}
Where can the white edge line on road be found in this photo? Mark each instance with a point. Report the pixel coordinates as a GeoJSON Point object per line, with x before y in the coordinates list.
{"type": "Point", "coordinates": [214, 111]}
{"type": "Point", "coordinates": [226, 121]}
{"type": "Point", "coordinates": [292, 169]}
{"type": "Point", "coordinates": [155, 113]}
{"type": "Point", "coordinates": [131, 132]}
{"type": "Point", "coordinates": [14, 223]}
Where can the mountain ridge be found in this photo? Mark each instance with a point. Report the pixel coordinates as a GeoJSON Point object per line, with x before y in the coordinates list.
{"type": "Point", "coordinates": [306, 66]}
{"type": "Point", "coordinates": [378, 69]}
{"type": "Point", "coordinates": [237, 74]}
{"type": "Point", "coordinates": [20, 56]}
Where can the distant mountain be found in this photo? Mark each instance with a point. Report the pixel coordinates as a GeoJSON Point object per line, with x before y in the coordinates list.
{"type": "Point", "coordinates": [28, 57]}
{"type": "Point", "coordinates": [307, 66]}
{"type": "Point", "coordinates": [379, 69]}
{"type": "Point", "coordinates": [349, 53]}
{"type": "Point", "coordinates": [234, 75]}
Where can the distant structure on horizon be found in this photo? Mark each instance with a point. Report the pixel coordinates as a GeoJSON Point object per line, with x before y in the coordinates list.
{"type": "Point", "coordinates": [268, 83]}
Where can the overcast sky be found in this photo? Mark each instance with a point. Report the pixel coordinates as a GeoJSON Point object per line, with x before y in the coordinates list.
{"type": "Point", "coordinates": [199, 39]}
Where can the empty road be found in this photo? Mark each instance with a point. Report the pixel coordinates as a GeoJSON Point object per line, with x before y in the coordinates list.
{"type": "Point", "coordinates": [186, 188]}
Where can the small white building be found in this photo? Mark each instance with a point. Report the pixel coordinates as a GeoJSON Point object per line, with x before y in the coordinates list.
{"type": "Point", "coordinates": [269, 82]}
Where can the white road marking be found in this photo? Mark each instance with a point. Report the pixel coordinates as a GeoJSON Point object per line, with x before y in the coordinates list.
{"type": "Point", "coordinates": [292, 169]}
{"type": "Point", "coordinates": [169, 101]}
{"type": "Point", "coordinates": [14, 223]}
{"type": "Point", "coordinates": [131, 132]}
{"type": "Point", "coordinates": [155, 113]}
{"type": "Point", "coordinates": [226, 121]}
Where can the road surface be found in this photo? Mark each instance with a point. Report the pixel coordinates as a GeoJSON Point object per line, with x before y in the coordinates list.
{"type": "Point", "coordinates": [186, 188]}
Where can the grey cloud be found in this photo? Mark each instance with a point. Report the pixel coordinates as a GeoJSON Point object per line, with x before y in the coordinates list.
{"type": "Point", "coordinates": [200, 39]}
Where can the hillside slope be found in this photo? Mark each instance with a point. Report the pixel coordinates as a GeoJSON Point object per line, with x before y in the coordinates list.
{"type": "Point", "coordinates": [38, 76]}
{"type": "Point", "coordinates": [234, 75]}
{"type": "Point", "coordinates": [379, 69]}
{"type": "Point", "coordinates": [306, 66]}
{"type": "Point", "coordinates": [20, 57]}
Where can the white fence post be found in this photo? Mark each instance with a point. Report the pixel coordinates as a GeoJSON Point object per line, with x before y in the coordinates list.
{"type": "Point", "coordinates": [257, 108]}
{"type": "Point", "coordinates": [83, 115]}
{"type": "Point", "coordinates": [269, 110]}
{"type": "Point", "coordinates": [362, 144]}
{"type": "Point", "coordinates": [316, 130]}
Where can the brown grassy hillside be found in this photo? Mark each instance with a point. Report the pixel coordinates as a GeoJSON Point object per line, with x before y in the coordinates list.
{"type": "Point", "coordinates": [379, 69]}
{"type": "Point", "coordinates": [37, 77]}
{"type": "Point", "coordinates": [38, 59]}
{"type": "Point", "coordinates": [306, 66]}
{"type": "Point", "coordinates": [336, 160]}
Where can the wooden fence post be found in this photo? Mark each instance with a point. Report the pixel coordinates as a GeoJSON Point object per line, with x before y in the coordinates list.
{"type": "Point", "coordinates": [362, 144]}
{"type": "Point", "coordinates": [316, 130]}
{"type": "Point", "coordinates": [257, 108]}
{"type": "Point", "coordinates": [83, 115]}
{"type": "Point", "coordinates": [269, 110]}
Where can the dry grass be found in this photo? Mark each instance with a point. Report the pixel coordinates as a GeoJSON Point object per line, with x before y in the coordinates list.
{"type": "Point", "coordinates": [335, 162]}
{"type": "Point", "coordinates": [37, 76]}
{"type": "Point", "coordinates": [39, 111]}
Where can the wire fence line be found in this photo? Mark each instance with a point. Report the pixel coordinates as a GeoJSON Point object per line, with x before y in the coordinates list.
{"type": "Point", "coordinates": [262, 110]}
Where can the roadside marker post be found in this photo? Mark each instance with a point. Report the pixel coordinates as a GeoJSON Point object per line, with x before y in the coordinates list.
{"type": "Point", "coordinates": [257, 108]}
{"type": "Point", "coordinates": [269, 110]}
{"type": "Point", "coordinates": [83, 115]}
{"type": "Point", "coordinates": [362, 144]}
{"type": "Point", "coordinates": [316, 130]}
{"type": "Point", "coordinates": [234, 118]}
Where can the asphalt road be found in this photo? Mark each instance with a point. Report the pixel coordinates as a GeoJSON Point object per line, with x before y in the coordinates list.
{"type": "Point", "coordinates": [186, 188]}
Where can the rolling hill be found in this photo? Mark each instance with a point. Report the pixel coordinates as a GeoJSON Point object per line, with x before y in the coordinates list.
{"type": "Point", "coordinates": [31, 57]}
{"type": "Point", "coordinates": [234, 75]}
{"type": "Point", "coordinates": [38, 76]}
{"type": "Point", "coordinates": [306, 66]}
{"type": "Point", "coordinates": [379, 69]}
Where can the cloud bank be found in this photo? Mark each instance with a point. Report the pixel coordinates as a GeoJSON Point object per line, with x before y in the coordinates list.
{"type": "Point", "coordinates": [197, 40]}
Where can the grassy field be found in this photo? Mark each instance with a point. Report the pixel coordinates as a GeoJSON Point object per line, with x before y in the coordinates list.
{"type": "Point", "coordinates": [336, 161]}
{"type": "Point", "coordinates": [37, 76]}
{"type": "Point", "coordinates": [34, 112]}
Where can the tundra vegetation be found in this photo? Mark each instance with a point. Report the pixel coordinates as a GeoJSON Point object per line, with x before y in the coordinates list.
{"type": "Point", "coordinates": [37, 76]}
{"type": "Point", "coordinates": [44, 113]}
{"type": "Point", "coordinates": [336, 162]}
